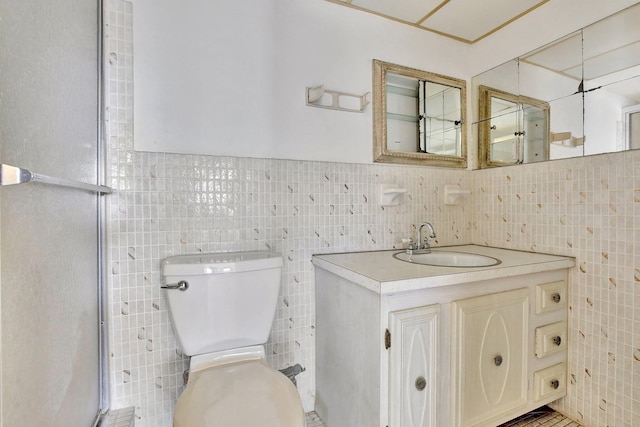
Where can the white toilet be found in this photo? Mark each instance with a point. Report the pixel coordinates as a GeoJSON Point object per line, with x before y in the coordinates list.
{"type": "Point", "coordinates": [222, 317]}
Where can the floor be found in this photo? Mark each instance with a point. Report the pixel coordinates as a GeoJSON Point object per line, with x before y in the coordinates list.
{"type": "Point", "coordinates": [313, 420]}
{"type": "Point", "coordinates": [543, 417]}
{"type": "Point", "coordinates": [119, 418]}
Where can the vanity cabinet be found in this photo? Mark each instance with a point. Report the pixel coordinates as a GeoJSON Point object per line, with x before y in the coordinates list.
{"type": "Point", "coordinates": [438, 346]}
{"type": "Point", "coordinates": [412, 366]}
{"type": "Point", "coordinates": [489, 350]}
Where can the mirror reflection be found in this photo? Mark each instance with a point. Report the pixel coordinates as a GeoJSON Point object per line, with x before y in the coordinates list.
{"type": "Point", "coordinates": [632, 128]}
{"type": "Point", "coordinates": [589, 82]}
{"type": "Point", "coordinates": [418, 117]}
{"type": "Point", "coordinates": [517, 128]}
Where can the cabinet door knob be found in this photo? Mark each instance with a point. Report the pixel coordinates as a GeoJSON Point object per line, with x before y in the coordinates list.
{"type": "Point", "coordinates": [557, 340]}
{"type": "Point", "coordinates": [421, 383]}
{"type": "Point", "coordinates": [555, 384]}
{"type": "Point", "coordinates": [555, 297]}
{"type": "Point", "coordinates": [497, 360]}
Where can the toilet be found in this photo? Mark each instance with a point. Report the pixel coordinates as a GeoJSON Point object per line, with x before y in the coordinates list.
{"type": "Point", "coordinates": [222, 306]}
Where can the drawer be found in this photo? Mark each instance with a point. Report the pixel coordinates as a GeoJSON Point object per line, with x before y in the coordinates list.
{"type": "Point", "coordinates": [551, 339]}
{"type": "Point", "coordinates": [551, 296]}
{"type": "Point", "coordinates": [550, 382]}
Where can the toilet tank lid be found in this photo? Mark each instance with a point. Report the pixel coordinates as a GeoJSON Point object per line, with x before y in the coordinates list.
{"type": "Point", "coordinates": [220, 263]}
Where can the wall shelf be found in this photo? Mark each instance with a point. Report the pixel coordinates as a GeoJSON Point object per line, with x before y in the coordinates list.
{"type": "Point", "coordinates": [390, 194]}
{"type": "Point", "coordinates": [320, 97]}
{"type": "Point", "coordinates": [454, 195]}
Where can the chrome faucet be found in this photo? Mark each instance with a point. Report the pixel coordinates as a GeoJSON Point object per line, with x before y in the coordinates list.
{"type": "Point", "coordinates": [421, 245]}
{"type": "Point", "coordinates": [424, 244]}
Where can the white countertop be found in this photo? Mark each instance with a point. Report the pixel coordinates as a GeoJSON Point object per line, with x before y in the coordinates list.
{"type": "Point", "coordinates": [380, 272]}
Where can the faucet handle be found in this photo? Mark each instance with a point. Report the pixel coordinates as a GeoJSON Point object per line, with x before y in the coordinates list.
{"type": "Point", "coordinates": [411, 245]}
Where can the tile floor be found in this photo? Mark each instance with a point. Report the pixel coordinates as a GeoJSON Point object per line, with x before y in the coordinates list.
{"type": "Point", "coordinates": [313, 420]}
{"type": "Point", "coordinates": [543, 417]}
{"type": "Point", "coordinates": [124, 417]}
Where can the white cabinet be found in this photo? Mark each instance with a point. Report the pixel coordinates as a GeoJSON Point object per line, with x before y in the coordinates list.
{"type": "Point", "coordinates": [453, 355]}
{"type": "Point", "coordinates": [550, 382]}
{"type": "Point", "coordinates": [551, 339]}
{"type": "Point", "coordinates": [489, 351]}
{"type": "Point", "coordinates": [551, 296]}
{"type": "Point", "coordinates": [412, 366]}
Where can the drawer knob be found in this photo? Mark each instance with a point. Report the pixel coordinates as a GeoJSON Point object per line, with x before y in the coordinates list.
{"type": "Point", "coordinates": [555, 297]}
{"type": "Point", "coordinates": [555, 384]}
{"type": "Point", "coordinates": [497, 360]}
{"type": "Point", "coordinates": [557, 340]}
{"type": "Point", "coordinates": [421, 383]}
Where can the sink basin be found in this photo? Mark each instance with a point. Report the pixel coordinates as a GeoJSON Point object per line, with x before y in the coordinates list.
{"type": "Point", "coordinates": [448, 259]}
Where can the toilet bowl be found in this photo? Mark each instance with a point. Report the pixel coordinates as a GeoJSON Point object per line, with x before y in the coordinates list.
{"type": "Point", "coordinates": [222, 306]}
{"type": "Point", "coordinates": [238, 390]}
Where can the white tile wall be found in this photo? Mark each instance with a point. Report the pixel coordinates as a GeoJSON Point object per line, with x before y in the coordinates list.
{"type": "Point", "coordinates": [588, 208]}
{"type": "Point", "coordinates": [167, 204]}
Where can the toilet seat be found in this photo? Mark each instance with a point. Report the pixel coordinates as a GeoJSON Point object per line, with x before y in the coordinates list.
{"type": "Point", "coordinates": [242, 393]}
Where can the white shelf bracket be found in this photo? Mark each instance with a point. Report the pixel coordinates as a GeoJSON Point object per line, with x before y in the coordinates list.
{"type": "Point", "coordinates": [320, 97]}
{"type": "Point", "coordinates": [390, 194]}
{"type": "Point", "coordinates": [453, 195]}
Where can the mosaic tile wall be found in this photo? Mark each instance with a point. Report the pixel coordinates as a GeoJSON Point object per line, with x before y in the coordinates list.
{"type": "Point", "coordinates": [588, 208]}
{"type": "Point", "coordinates": [168, 204]}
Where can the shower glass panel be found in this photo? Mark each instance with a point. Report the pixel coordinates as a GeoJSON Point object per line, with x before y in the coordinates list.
{"type": "Point", "coordinates": [50, 271]}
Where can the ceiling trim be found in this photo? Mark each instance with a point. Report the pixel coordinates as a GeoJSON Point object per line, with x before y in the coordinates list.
{"type": "Point", "coordinates": [559, 72]}
{"type": "Point", "coordinates": [402, 21]}
{"type": "Point", "coordinates": [348, 3]}
{"type": "Point", "coordinates": [428, 15]}
{"type": "Point", "coordinates": [515, 18]}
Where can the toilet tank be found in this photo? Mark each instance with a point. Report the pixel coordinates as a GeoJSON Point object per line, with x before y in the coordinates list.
{"type": "Point", "coordinates": [230, 301]}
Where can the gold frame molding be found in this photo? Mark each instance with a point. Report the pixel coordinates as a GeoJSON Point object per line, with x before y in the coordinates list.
{"type": "Point", "coordinates": [380, 152]}
{"type": "Point", "coordinates": [485, 93]}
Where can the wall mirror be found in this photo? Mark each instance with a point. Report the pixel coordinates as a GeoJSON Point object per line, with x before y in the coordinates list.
{"type": "Point", "coordinates": [516, 129]}
{"type": "Point", "coordinates": [418, 117]}
{"type": "Point", "coordinates": [586, 84]}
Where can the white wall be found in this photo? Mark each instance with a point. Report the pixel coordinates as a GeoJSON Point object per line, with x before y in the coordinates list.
{"type": "Point", "coordinates": [233, 75]}
{"type": "Point", "coordinates": [603, 119]}
{"type": "Point", "coordinates": [194, 92]}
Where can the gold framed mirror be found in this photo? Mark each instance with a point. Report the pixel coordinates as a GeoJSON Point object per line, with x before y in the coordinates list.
{"type": "Point", "coordinates": [418, 117]}
{"type": "Point", "coordinates": [513, 129]}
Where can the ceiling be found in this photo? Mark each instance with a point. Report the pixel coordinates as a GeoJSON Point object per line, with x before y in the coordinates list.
{"type": "Point", "coordinates": [602, 53]}
{"type": "Point", "coordinates": [606, 47]}
{"type": "Point", "coordinates": [464, 20]}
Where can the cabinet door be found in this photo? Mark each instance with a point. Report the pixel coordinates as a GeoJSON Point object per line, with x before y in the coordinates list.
{"type": "Point", "coordinates": [504, 132]}
{"type": "Point", "coordinates": [490, 356]}
{"type": "Point", "coordinates": [412, 366]}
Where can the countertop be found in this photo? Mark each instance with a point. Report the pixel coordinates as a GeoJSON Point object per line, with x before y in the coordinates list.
{"type": "Point", "coordinates": [380, 272]}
